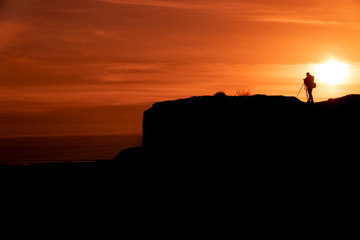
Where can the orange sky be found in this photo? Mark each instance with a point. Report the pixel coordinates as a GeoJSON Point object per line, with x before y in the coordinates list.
{"type": "Point", "coordinates": [93, 66]}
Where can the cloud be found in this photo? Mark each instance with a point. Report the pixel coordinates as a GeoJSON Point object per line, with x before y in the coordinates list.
{"type": "Point", "coordinates": [156, 3]}
{"type": "Point", "coordinates": [311, 12]}
{"type": "Point", "coordinates": [279, 19]}
{"type": "Point", "coordinates": [9, 30]}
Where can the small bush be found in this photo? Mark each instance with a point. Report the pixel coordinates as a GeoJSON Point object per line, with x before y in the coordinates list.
{"type": "Point", "coordinates": [220, 94]}
{"type": "Point", "coordinates": [243, 93]}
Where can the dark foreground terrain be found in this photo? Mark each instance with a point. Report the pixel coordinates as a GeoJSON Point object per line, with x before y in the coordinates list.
{"type": "Point", "coordinates": [259, 165]}
{"type": "Point", "coordinates": [220, 135]}
{"type": "Point", "coordinates": [245, 130]}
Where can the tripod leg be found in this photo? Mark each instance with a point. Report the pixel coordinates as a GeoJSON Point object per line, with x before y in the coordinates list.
{"type": "Point", "coordinates": [300, 90]}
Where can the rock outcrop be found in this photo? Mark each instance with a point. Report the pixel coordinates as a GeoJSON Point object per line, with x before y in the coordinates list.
{"type": "Point", "coordinates": [251, 128]}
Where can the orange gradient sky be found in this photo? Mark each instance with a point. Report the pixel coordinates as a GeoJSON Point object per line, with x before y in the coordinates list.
{"type": "Point", "coordinates": [93, 66]}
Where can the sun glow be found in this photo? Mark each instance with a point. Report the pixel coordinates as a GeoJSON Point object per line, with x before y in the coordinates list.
{"type": "Point", "coordinates": [332, 72]}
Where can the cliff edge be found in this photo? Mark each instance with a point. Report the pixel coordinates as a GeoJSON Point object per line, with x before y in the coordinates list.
{"type": "Point", "coordinates": [250, 127]}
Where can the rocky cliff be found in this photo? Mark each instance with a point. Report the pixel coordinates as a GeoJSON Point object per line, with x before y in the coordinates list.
{"type": "Point", "coordinates": [254, 127]}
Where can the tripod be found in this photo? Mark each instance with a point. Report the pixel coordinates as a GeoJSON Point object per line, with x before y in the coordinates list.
{"type": "Point", "coordinates": [300, 90]}
{"type": "Point", "coordinates": [307, 97]}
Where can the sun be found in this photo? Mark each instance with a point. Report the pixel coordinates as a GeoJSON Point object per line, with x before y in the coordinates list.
{"type": "Point", "coordinates": [332, 72]}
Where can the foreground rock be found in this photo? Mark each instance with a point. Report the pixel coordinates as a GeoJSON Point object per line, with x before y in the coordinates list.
{"type": "Point", "coordinates": [251, 128]}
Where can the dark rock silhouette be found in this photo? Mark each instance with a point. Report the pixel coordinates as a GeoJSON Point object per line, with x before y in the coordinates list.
{"type": "Point", "coordinates": [266, 155]}
{"type": "Point", "coordinates": [246, 129]}
{"type": "Point", "coordinates": [258, 159]}
{"type": "Point", "coordinates": [256, 134]}
{"type": "Point", "coordinates": [219, 126]}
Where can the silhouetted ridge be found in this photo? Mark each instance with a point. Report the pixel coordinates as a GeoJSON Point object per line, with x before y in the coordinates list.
{"type": "Point", "coordinates": [248, 127]}
{"type": "Point", "coordinates": [351, 100]}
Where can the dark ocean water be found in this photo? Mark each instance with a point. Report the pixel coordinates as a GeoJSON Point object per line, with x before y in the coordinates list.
{"type": "Point", "coordinates": [27, 150]}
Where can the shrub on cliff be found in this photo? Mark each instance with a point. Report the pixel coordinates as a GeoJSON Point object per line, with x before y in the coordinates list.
{"type": "Point", "coordinates": [220, 94]}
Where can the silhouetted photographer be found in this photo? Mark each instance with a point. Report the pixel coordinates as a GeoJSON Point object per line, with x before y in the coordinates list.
{"type": "Point", "coordinates": [310, 84]}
